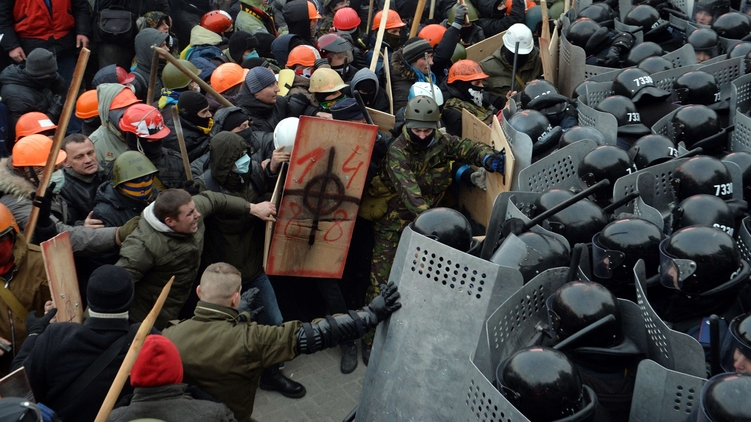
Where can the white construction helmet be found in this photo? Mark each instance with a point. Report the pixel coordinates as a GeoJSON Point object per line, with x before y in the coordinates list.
{"type": "Point", "coordinates": [285, 133]}
{"type": "Point", "coordinates": [423, 88]}
{"type": "Point", "coordinates": [520, 33]}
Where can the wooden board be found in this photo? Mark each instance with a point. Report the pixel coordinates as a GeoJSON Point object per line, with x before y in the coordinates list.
{"type": "Point", "coordinates": [553, 49]}
{"type": "Point", "coordinates": [61, 271]}
{"type": "Point", "coordinates": [547, 61]}
{"type": "Point", "coordinates": [479, 202]}
{"type": "Point", "coordinates": [16, 384]}
{"type": "Point", "coordinates": [485, 48]}
{"type": "Point", "coordinates": [384, 121]}
{"type": "Point", "coordinates": [322, 193]}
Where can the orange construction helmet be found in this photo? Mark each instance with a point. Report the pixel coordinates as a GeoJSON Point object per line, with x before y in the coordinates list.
{"type": "Point", "coordinates": [123, 99]}
{"type": "Point", "coordinates": [7, 221]}
{"type": "Point", "coordinates": [33, 150]}
{"type": "Point", "coordinates": [466, 70]}
{"type": "Point", "coordinates": [302, 55]}
{"type": "Point", "coordinates": [216, 21]}
{"type": "Point", "coordinates": [393, 20]}
{"type": "Point", "coordinates": [227, 75]}
{"type": "Point", "coordinates": [313, 12]}
{"type": "Point", "coordinates": [346, 19]}
{"type": "Point", "coordinates": [527, 5]}
{"type": "Point", "coordinates": [87, 105]}
{"type": "Point", "coordinates": [432, 33]}
{"type": "Point", "coordinates": [33, 122]}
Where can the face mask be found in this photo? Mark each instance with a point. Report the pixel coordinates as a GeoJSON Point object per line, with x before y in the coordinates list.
{"type": "Point", "coordinates": [242, 164]}
{"type": "Point", "coordinates": [305, 72]}
{"type": "Point", "coordinates": [476, 95]}
{"type": "Point", "coordinates": [59, 178]}
{"type": "Point", "coordinates": [341, 69]}
{"type": "Point", "coordinates": [150, 149]}
{"type": "Point", "coordinates": [6, 253]}
{"type": "Point", "coordinates": [251, 55]}
{"type": "Point", "coordinates": [246, 134]}
{"type": "Point", "coordinates": [422, 143]}
{"type": "Point", "coordinates": [392, 40]}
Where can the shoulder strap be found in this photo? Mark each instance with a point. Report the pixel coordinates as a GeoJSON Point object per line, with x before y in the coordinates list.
{"type": "Point", "coordinates": [11, 301]}
{"type": "Point", "coordinates": [96, 368]}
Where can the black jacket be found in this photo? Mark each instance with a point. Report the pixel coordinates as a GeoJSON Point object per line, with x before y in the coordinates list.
{"type": "Point", "coordinates": [494, 21]}
{"type": "Point", "coordinates": [21, 94]}
{"type": "Point", "coordinates": [265, 117]}
{"type": "Point", "coordinates": [79, 192]}
{"type": "Point", "coordinates": [115, 208]}
{"type": "Point", "coordinates": [171, 168]}
{"type": "Point", "coordinates": [196, 142]}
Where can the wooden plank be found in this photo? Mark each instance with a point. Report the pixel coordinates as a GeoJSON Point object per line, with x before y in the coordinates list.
{"type": "Point", "coordinates": [61, 271]}
{"type": "Point", "coordinates": [276, 199]}
{"type": "Point", "coordinates": [485, 48]}
{"type": "Point", "coordinates": [479, 203]}
{"type": "Point", "coordinates": [553, 49]}
{"type": "Point", "coordinates": [322, 193]}
{"type": "Point", "coordinates": [384, 121]}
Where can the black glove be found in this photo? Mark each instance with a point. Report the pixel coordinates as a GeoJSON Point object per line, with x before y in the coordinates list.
{"type": "Point", "coordinates": [495, 162]}
{"type": "Point", "coordinates": [623, 41]}
{"type": "Point", "coordinates": [461, 13]}
{"type": "Point", "coordinates": [385, 303]}
{"type": "Point", "coordinates": [249, 303]}
{"type": "Point", "coordinates": [44, 203]}
{"type": "Point", "coordinates": [612, 59]}
{"type": "Point", "coordinates": [36, 325]}
{"type": "Point", "coordinates": [191, 187]}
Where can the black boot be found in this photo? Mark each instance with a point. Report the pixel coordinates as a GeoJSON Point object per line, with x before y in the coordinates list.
{"type": "Point", "coordinates": [365, 352]}
{"type": "Point", "coordinates": [272, 379]}
{"type": "Point", "coordinates": [349, 357]}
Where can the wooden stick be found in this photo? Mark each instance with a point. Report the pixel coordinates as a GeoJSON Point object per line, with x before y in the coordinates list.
{"type": "Point", "coordinates": [370, 17]}
{"type": "Point", "coordinates": [379, 37]}
{"type": "Point", "coordinates": [547, 60]}
{"type": "Point", "coordinates": [417, 18]}
{"type": "Point", "coordinates": [181, 142]}
{"type": "Point", "coordinates": [130, 357]}
{"type": "Point", "coordinates": [545, 24]}
{"type": "Point", "coordinates": [62, 127]}
{"type": "Point", "coordinates": [432, 10]}
{"type": "Point", "coordinates": [206, 87]}
{"type": "Point", "coordinates": [152, 77]}
{"type": "Point", "coordinates": [387, 69]}
{"type": "Point", "coordinates": [466, 17]}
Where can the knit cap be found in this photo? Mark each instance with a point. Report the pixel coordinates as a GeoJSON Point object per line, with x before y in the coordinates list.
{"type": "Point", "coordinates": [346, 109]}
{"type": "Point", "coordinates": [259, 78]}
{"type": "Point", "coordinates": [158, 364]}
{"type": "Point", "coordinates": [239, 43]}
{"type": "Point", "coordinates": [40, 62]}
{"type": "Point", "coordinates": [415, 48]}
{"type": "Point", "coordinates": [234, 119]}
{"type": "Point", "coordinates": [191, 102]}
{"type": "Point", "coordinates": [110, 290]}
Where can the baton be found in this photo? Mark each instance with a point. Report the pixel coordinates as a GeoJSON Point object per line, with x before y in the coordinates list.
{"type": "Point", "coordinates": [714, 345]}
{"type": "Point", "coordinates": [513, 73]}
{"type": "Point", "coordinates": [361, 104]}
{"type": "Point", "coordinates": [432, 87]}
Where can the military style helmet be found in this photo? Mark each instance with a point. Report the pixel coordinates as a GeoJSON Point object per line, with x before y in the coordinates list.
{"type": "Point", "coordinates": [642, 51]}
{"type": "Point", "coordinates": [694, 123]}
{"type": "Point", "coordinates": [702, 174]}
{"type": "Point", "coordinates": [577, 223]}
{"type": "Point", "coordinates": [732, 25]}
{"type": "Point", "coordinates": [620, 244]}
{"type": "Point", "coordinates": [172, 78]}
{"type": "Point", "coordinates": [743, 160]}
{"type": "Point", "coordinates": [577, 305]}
{"type": "Point", "coordinates": [531, 253]}
{"type": "Point", "coordinates": [652, 149]}
{"type": "Point", "coordinates": [704, 210]}
{"type": "Point", "coordinates": [472, 13]}
{"type": "Point", "coordinates": [460, 53]}
{"type": "Point", "coordinates": [724, 398]}
{"type": "Point", "coordinates": [655, 64]}
{"type": "Point", "coordinates": [696, 87]}
{"type": "Point", "coordinates": [701, 260]}
{"type": "Point", "coordinates": [422, 112]}
{"type": "Point", "coordinates": [605, 162]}
{"type": "Point", "coordinates": [131, 165]}
{"type": "Point", "coordinates": [625, 113]}
{"type": "Point", "coordinates": [705, 40]}
{"type": "Point", "coordinates": [737, 345]}
{"type": "Point", "coordinates": [580, 133]}
{"type": "Point", "coordinates": [445, 225]}
{"type": "Point", "coordinates": [544, 385]}
{"type": "Point", "coordinates": [636, 84]}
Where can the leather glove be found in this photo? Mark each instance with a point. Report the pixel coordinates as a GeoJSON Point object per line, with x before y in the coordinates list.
{"type": "Point", "coordinates": [495, 162]}
{"type": "Point", "coordinates": [385, 303]}
{"type": "Point", "coordinates": [56, 106]}
{"type": "Point", "coordinates": [191, 187]}
{"type": "Point", "coordinates": [35, 325]}
{"type": "Point", "coordinates": [461, 13]}
{"type": "Point", "coordinates": [612, 59]}
{"type": "Point", "coordinates": [129, 227]}
{"type": "Point", "coordinates": [44, 203]}
{"type": "Point", "coordinates": [249, 303]}
{"type": "Point", "coordinates": [479, 178]}
{"type": "Point", "coordinates": [623, 41]}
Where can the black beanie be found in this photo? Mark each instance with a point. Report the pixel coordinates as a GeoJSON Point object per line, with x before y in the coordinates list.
{"type": "Point", "coordinates": [264, 44]}
{"type": "Point", "coordinates": [234, 119]}
{"type": "Point", "coordinates": [110, 290]}
{"type": "Point", "coordinates": [239, 43]}
{"type": "Point", "coordinates": [191, 102]}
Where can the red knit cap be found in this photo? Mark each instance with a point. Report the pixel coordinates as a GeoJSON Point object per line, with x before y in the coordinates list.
{"type": "Point", "coordinates": [158, 364]}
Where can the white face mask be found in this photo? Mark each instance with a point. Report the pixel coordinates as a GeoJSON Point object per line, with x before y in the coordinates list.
{"type": "Point", "coordinates": [476, 96]}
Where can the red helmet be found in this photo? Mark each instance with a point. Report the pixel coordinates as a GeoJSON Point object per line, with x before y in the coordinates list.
{"type": "Point", "coordinates": [216, 21]}
{"type": "Point", "coordinates": [145, 121]}
{"type": "Point", "coordinates": [123, 77]}
{"type": "Point", "coordinates": [346, 19]}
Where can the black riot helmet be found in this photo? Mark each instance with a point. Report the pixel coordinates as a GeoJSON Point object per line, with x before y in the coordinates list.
{"type": "Point", "coordinates": [641, 51]}
{"type": "Point", "coordinates": [713, 8]}
{"type": "Point", "coordinates": [544, 385]}
{"type": "Point", "coordinates": [702, 174]}
{"type": "Point", "coordinates": [700, 260]}
{"type": "Point", "coordinates": [652, 149]}
{"type": "Point", "coordinates": [579, 304]}
{"type": "Point", "coordinates": [743, 160]}
{"type": "Point", "coordinates": [705, 40]}
{"type": "Point", "coordinates": [587, 34]}
{"type": "Point", "coordinates": [600, 13]}
{"type": "Point", "coordinates": [648, 18]}
{"type": "Point", "coordinates": [732, 25]}
{"type": "Point", "coordinates": [655, 64]}
{"type": "Point", "coordinates": [694, 123]}
{"type": "Point", "coordinates": [736, 347]}
{"type": "Point", "coordinates": [605, 162]}
{"type": "Point", "coordinates": [538, 128]}
{"type": "Point", "coordinates": [579, 133]}
{"type": "Point", "coordinates": [704, 210]}
{"type": "Point", "coordinates": [620, 244]}
{"type": "Point", "coordinates": [739, 50]}
{"type": "Point", "coordinates": [626, 114]}
{"type": "Point", "coordinates": [696, 87]}
{"type": "Point", "coordinates": [531, 253]}
{"type": "Point", "coordinates": [536, 90]}
{"type": "Point", "coordinates": [577, 223]}
{"type": "Point", "coordinates": [445, 225]}
{"type": "Point", "coordinates": [636, 84]}
{"type": "Point", "coordinates": [724, 398]}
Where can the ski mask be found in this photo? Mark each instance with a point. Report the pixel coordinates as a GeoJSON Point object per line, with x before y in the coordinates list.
{"type": "Point", "coordinates": [392, 40]}
{"type": "Point", "coordinates": [368, 90]}
{"type": "Point", "coordinates": [470, 92]}
{"type": "Point", "coordinates": [428, 142]}
{"type": "Point", "coordinates": [509, 56]}
{"type": "Point", "coordinates": [189, 105]}
{"type": "Point", "coordinates": [152, 150]}
{"type": "Point", "coordinates": [242, 164]}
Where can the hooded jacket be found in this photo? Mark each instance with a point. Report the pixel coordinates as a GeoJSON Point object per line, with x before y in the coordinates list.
{"type": "Point", "coordinates": [170, 402]}
{"type": "Point", "coordinates": [22, 94]}
{"type": "Point", "coordinates": [499, 71]}
{"type": "Point", "coordinates": [280, 47]}
{"type": "Point", "coordinates": [380, 102]}
{"type": "Point", "coordinates": [204, 44]}
{"type": "Point", "coordinates": [108, 141]}
{"type": "Point", "coordinates": [296, 15]}
{"type": "Point", "coordinates": [153, 253]}
{"type": "Point", "coordinates": [144, 54]}
{"type": "Point", "coordinates": [264, 117]}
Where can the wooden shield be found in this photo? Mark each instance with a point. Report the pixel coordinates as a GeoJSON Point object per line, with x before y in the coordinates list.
{"type": "Point", "coordinates": [384, 121]}
{"type": "Point", "coordinates": [479, 202]}
{"type": "Point", "coordinates": [322, 192]}
{"type": "Point", "coordinates": [485, 48]}
{"type": "Point", "coordinates": [61, 270]}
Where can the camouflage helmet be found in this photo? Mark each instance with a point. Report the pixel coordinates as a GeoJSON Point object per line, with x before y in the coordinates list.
{"type": "Point", "coordinates": [131, 165]}
{"type": "Point", "coordinates": [471, 12]}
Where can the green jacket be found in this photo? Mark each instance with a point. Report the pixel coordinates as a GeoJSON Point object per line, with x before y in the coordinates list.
{"type": "Point", "coordinates": [108, 141]}
{"type": "Point", "coordinates": [500, 70]}
{"type": "Point", "coordinates": [152, 254]}
{"type": "Point", "coordinates": [224, 356]}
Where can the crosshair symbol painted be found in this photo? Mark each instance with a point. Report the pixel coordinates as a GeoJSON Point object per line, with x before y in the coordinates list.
{"type": "Point", "coordinates": [323, 194]}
